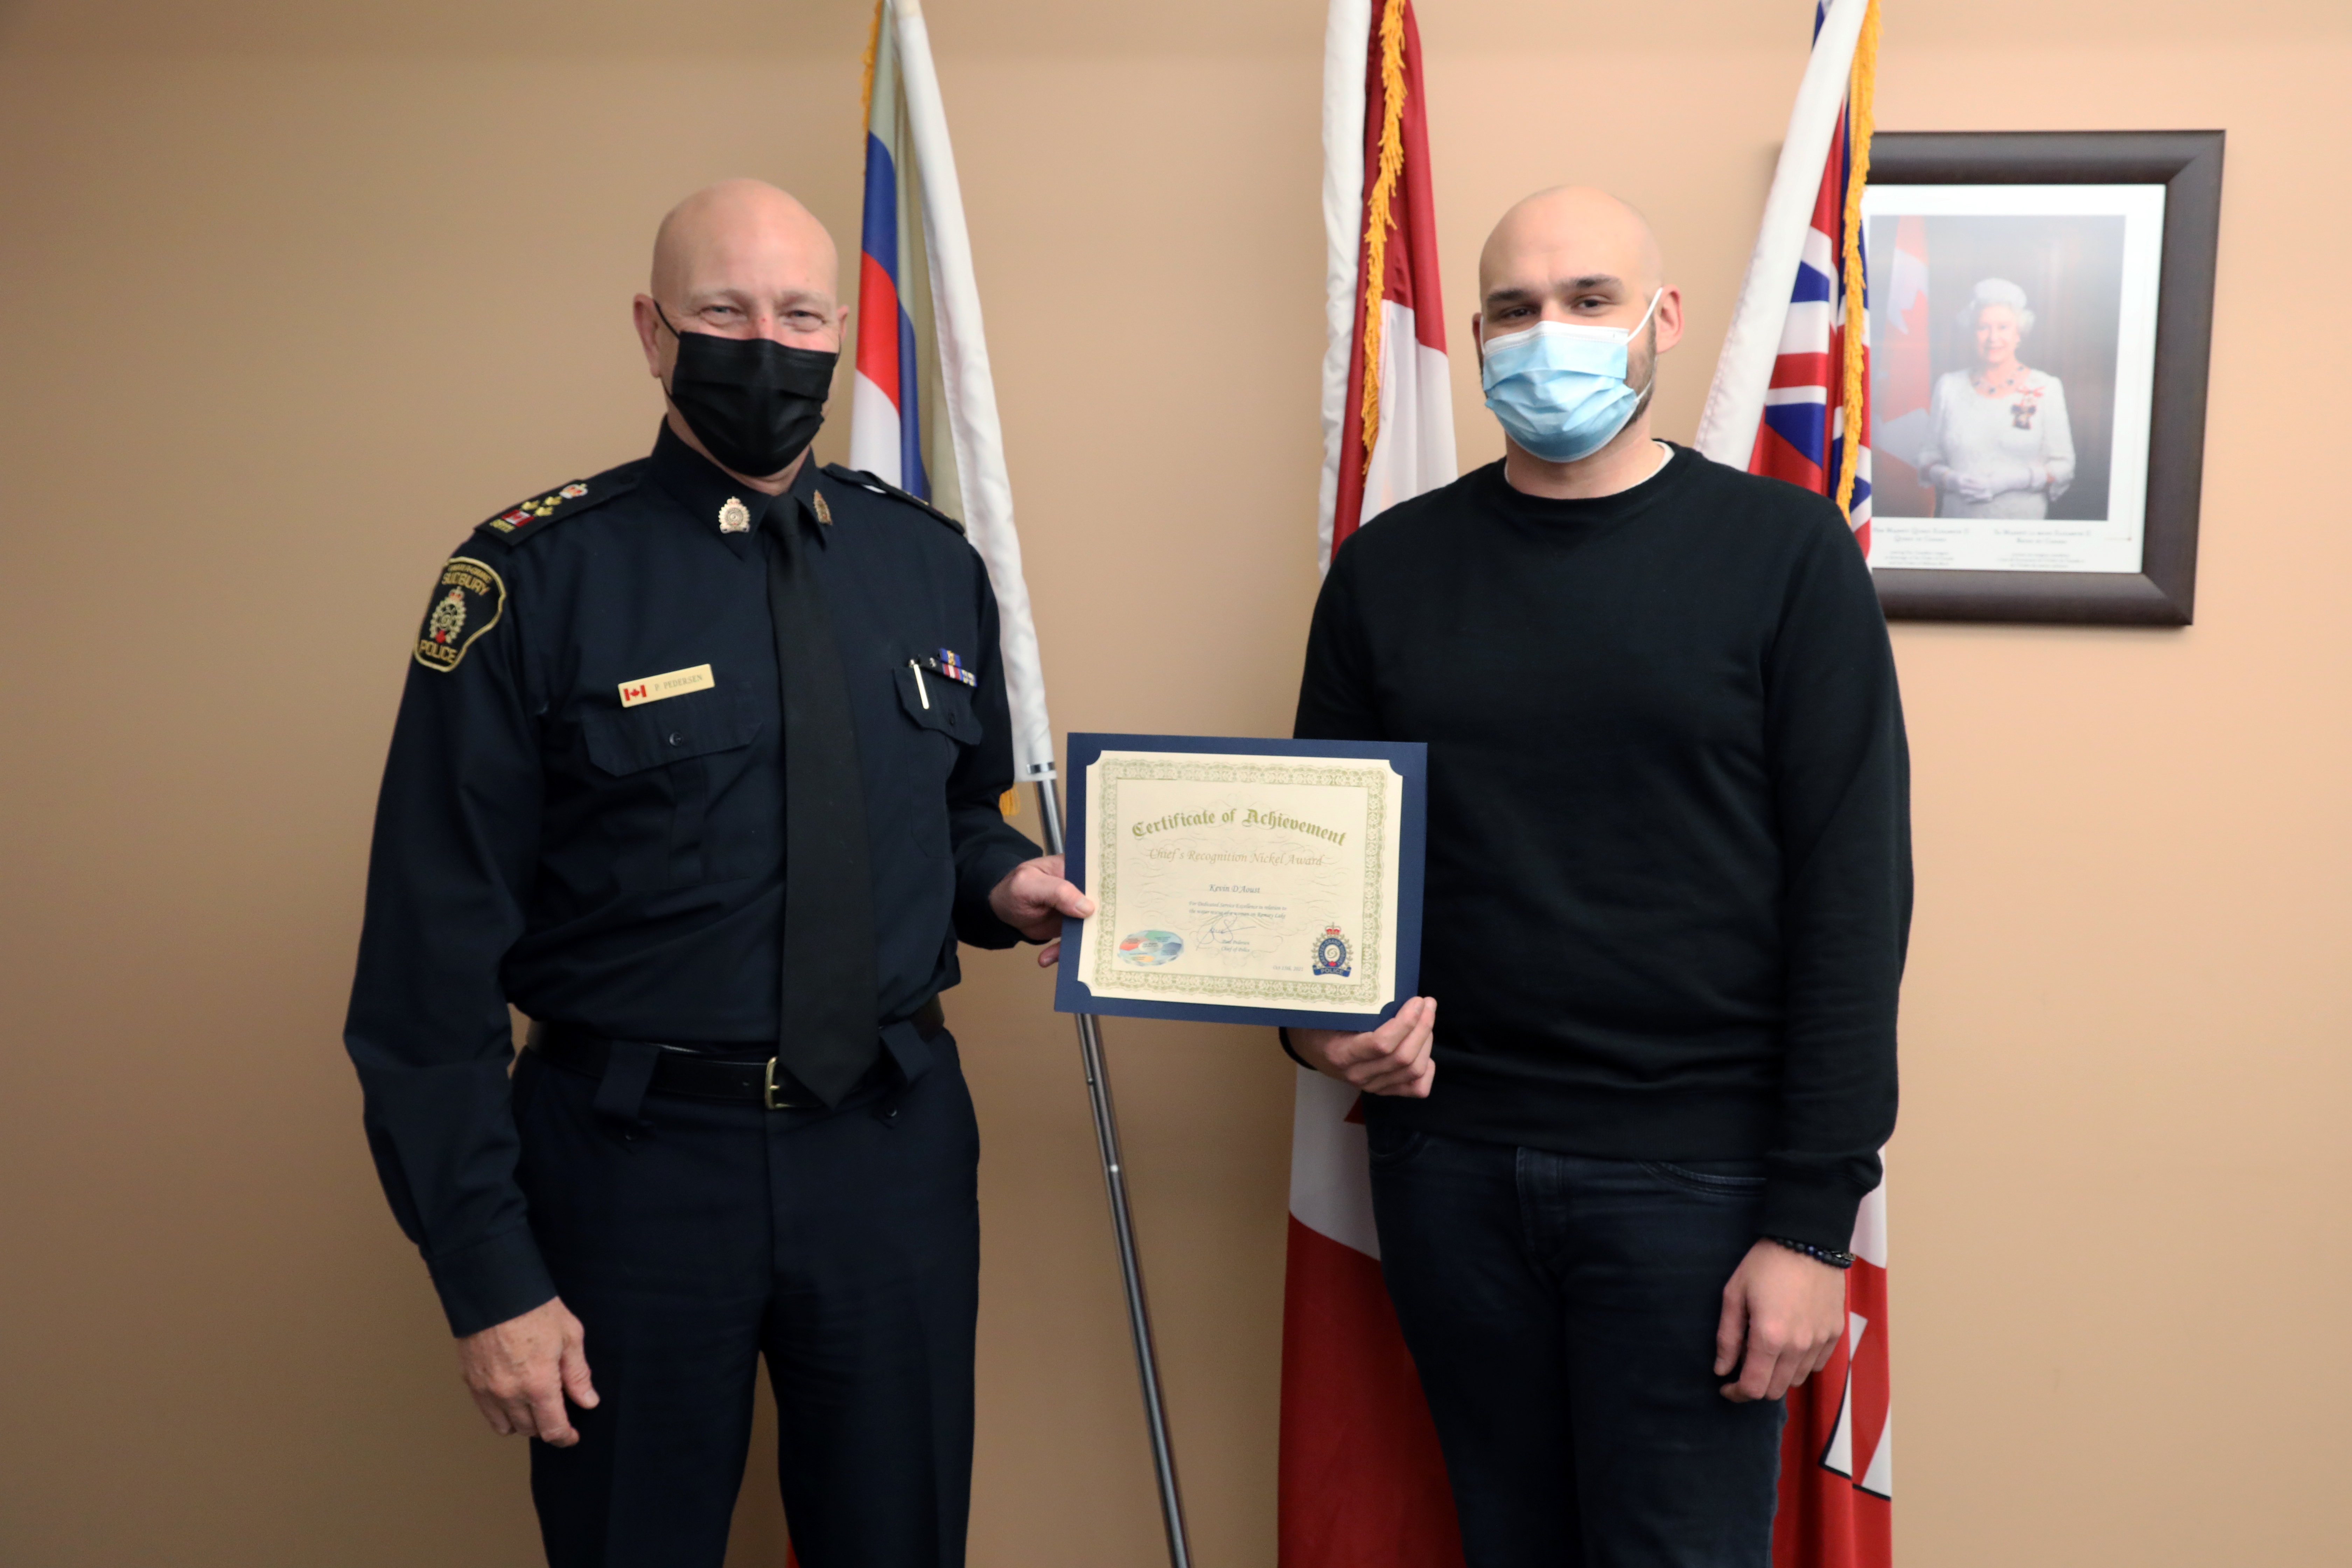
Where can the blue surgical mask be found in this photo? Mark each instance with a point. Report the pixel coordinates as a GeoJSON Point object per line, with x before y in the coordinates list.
{"type": "Point", "coordinates": [1559, 388]}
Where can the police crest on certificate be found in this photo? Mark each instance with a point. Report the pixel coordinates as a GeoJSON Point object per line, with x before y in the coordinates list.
{"type": "Point", "coordinates": [1251, 881]}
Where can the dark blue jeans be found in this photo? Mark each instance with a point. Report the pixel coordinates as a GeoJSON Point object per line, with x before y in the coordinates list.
{"type": "Point", "coordinates": [1562, 1313]}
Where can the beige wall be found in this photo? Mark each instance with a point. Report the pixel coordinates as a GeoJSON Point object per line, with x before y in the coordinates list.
{"type": "Point", "coordinates": [294, 293]}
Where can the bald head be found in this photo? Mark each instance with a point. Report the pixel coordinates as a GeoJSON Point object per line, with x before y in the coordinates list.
{"type": "Point", "coordinates": [1570, 232]}
{"type": "Point", "coordinates": [740, 229]}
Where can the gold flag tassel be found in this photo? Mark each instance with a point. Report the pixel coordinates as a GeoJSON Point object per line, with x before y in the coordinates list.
{"type": "Point", "coordinates": [1859, 114]}
{"type": "Point", "coordinates": [866, 93]}
{"type": "Point", "coordinates": [1377, 218]}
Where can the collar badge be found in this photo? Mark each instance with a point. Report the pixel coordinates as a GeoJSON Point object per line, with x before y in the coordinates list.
{"type": "Point", "coordinates": [816, 505]}
{"type": "Point", "coordinates": [734, 517]}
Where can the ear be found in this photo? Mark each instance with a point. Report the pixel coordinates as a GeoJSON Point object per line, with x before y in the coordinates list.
{"type": "Point", "coordinates": [649, 333]}
{"type": "Point", "coordinates": [1478, 336]}
{"type": "Point", "coordinates": [1669, 324]}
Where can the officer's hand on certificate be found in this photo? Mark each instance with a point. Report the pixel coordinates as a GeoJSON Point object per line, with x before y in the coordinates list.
{"type": "Point", "coordinates": [520, 1371]}
{"type": "Point", "coordinates": [1391, 1059]}
{"type": "Point", "coordinates": [1032, 899]}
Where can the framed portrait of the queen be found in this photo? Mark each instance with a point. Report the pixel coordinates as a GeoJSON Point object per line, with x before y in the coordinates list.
{"type": "Point", "coordinates": [2041, 311]}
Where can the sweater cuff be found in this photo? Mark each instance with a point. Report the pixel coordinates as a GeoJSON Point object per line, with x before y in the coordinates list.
{"type": "Point", "coordinates": [491, 1281]}
{"type": "Point", "coordinates": [1808, 1212]}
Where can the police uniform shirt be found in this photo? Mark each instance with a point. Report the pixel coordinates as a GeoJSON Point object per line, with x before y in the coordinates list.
{"type": "Point", "coordinates": [582, 812]}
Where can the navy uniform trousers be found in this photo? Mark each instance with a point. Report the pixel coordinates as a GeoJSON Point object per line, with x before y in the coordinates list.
{"type": "Point", "coordinates": [699, 1236]}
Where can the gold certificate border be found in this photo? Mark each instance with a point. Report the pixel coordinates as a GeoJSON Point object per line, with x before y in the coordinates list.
{"type": "Point", "coordinates": [1367, 995]}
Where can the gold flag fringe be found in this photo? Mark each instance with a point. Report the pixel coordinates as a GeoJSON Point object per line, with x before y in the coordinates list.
{"type": "Point", "coordinates": [1377, 218]}
{"type": "Point", "coordinates": [866, 93]}
{"type": "Point", "coordinates": [1859, 95]}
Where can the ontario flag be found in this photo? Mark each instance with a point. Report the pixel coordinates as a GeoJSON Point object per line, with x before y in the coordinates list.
{"type": "Point", "coordinates": [1791, 399]}
{"type": "Point", "coordinates": [923, 401]}
{"type": "Point", "coordinates": [1361, 1483]}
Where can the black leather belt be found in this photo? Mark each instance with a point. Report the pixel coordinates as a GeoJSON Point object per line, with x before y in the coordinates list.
{"type": "Point", "coordinates": [692, 1075]}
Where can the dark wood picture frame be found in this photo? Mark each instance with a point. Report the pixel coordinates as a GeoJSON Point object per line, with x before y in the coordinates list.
{"type": "Point", "coordinates": [2188, 164]}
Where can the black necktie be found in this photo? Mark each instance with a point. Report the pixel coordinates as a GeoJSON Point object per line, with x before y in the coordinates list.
{"type": "Point", "coordinates": [828, 1036]}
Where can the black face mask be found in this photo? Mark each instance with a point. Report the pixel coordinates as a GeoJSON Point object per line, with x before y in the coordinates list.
{"type": "Point", "coordinates": [755, 403]}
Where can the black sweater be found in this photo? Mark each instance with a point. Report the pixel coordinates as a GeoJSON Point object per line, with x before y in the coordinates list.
{"type": "Point", "coordinates": [1669, 825]}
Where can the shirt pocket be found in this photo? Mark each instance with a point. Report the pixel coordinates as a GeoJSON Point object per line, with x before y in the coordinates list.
{"type": "Point", "coordinates": [656, 765]}
{"type": "Point", "coordinates": [936, 702]}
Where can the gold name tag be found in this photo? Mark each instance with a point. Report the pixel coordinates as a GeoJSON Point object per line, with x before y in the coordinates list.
{"type": "Point", "coordinates": [677, 683]}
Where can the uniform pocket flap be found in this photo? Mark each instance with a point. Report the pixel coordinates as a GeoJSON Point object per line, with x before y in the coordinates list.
{"type": "Point", "coordinates": [938, 704]}
{"type": "Point", "coordinates": [671, 731]}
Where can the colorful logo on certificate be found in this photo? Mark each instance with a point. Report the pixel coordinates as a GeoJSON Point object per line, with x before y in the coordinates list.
{"type": "Point", "coordinates": [1147, 949]}
{"type": "Point", "coordinates": [1331, 952]}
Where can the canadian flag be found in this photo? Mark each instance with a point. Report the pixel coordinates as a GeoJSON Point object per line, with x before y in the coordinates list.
{"type": "Point", "coordinates": [1362, 1484]}
{"type": "Point", "coordinates": [1388, 408]}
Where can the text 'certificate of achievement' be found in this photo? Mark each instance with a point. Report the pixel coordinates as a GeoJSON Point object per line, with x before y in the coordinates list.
{"type": "Point", "coordinates": [1244, 881]}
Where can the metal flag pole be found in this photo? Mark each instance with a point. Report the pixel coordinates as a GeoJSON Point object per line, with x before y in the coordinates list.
{"type": "Point", "coordinates": [1122, 1223]}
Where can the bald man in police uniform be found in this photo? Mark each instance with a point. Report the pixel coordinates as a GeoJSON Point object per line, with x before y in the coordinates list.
{"type": "Point", "coordinates": [699, 767]}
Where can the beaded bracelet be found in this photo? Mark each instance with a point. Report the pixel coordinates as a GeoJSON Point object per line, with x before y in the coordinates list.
{"type": "Point", "coordinates": [1828, 1255]}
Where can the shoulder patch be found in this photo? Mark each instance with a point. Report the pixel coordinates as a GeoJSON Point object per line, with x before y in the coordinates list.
{"type": "Point", "coordinates": [529, 518]}
{"type": "Point", "coordinates": [467, 602]}
{"type": "Point", "coordinates": [865, 481]}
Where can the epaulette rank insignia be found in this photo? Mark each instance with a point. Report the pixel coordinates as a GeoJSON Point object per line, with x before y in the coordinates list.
{"type": "Point", "coordinates": [880, 486]}
{"type": "Point", "coordinates": [522, 517]}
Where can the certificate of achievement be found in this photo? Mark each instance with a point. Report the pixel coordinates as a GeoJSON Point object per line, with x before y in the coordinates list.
{"type": "Point", "coordinates": [1244, 881]}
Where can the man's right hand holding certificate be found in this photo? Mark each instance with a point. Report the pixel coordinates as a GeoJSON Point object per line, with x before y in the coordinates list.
{"type": "Point", "coordinates": [1391, 1059]}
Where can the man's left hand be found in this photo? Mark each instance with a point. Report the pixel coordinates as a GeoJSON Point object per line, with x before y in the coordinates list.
{"type": "Point", "coordinates": [1783, 1315]}
{"type": "Point", "coordinates": [1032, 899]}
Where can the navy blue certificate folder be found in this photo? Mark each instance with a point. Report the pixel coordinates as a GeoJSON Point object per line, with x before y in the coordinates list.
{"type": "Point", "coordinates": [1326, 954]}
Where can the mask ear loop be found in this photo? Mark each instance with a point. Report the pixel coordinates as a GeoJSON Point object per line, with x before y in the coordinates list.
{"type": "Point", "coordinates": [1629, 338]}
{"type": "Point", "coordinates": [663, 317]}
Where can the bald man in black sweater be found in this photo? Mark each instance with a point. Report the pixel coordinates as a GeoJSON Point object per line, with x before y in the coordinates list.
{"type": "Point", "coordinates": [1669, 888]}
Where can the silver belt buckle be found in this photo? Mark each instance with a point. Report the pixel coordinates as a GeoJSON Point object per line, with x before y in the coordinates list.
{"type": "Point", "coordinates": [768, 1088]}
